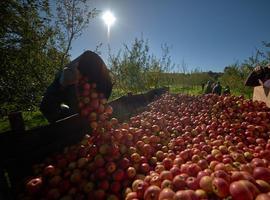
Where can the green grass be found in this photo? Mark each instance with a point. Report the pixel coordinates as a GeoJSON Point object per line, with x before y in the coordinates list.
{"type": "Point", "coordinates": [116, 93]}
{"type": "Point", "coordinates": [4, 124]}
{"type": "Point", "coordinates": [31, 120]}
{"type": "Point", "coordinates": [195, 90]}
{"type": "Point", "coordinates": [34, 119]}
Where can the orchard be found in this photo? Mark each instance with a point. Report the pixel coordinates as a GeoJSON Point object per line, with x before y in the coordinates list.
{"type": "Point", "coordinates": [181, 148]}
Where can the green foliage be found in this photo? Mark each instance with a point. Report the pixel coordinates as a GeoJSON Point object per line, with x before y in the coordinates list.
{"type": "Point", "coordinates": [33, 47]}
{"type": "Point", "coordinates": [73, 16]}
{"type": "Point", "coordinates": [28, 56]}
{"type": "Point", "coordinates": [234, 76]}
{"type": "Point", "coordinates": [134, 69]}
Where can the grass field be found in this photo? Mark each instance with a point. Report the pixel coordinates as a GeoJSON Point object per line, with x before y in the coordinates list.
{"type": "Point", "coordinates": [35, 118]}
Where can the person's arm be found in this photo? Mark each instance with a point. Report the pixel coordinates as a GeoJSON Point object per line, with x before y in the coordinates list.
{"type": "Point", "coordinates": [71, 98]}
{"type": "Point", "coordinates": [68, 81]}
{"type": "Point", "coordinates": [60, 99]}
{"type": "Point", "coordinates": [51, 101]}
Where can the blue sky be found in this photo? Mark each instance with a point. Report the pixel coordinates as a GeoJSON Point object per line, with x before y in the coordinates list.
{"type": "Point", "coordinates": [205, 34]}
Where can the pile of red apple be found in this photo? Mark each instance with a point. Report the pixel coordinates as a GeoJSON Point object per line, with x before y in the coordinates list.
{"type": "Point", "coordinates": [182, 147]}
{"type": "Point", "coordinates": [92, 104]}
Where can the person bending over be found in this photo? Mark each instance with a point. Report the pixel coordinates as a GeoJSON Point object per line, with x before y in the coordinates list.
{"type": "Point", "coordinates": [60, 99]}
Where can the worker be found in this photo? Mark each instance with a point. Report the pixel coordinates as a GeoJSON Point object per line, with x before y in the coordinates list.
{"type": "Point", "coordinates": [208, 88]}
{"type": "Point", "coordinates": [60, 99]}
{"type": "Point", "coordinates": [217, 88]}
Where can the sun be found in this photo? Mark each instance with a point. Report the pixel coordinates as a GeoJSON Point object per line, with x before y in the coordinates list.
{"type": "Point", "coordinates": [108, 18]}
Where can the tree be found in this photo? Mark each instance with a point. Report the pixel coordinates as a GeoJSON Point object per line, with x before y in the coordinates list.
{"type": "Point", "coordinates": [135, 69]}
{"type": "Point", "coordinates": [27, 52]}
{"type": "Point", "coordinates": [73, 16]}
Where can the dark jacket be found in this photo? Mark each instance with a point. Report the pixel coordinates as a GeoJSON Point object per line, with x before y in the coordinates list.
{"type": "Point", "coordinates": [217, 89]}
{"type": "Point", "coordinates": [208, 88]}
{"type": "Point", "coordinates": [54, 99]}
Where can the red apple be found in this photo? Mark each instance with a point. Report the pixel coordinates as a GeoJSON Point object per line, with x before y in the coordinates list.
{"type": "Point", "coordinates": [220, 187]}
{"type": "Point", "coordinates": [33, 186]}
{"type": "Point", "coordinates": [131, 172]}
{"type": "Point", "coordinates": [110, 167]}
{"type": "Point", "coordinates": [206, 184]}
{"type": "Point", "coordinates": [152, 193]}
{"type": "Point", "coordinates": [243, 190]}
{"type": "Point", "coordinates": [49, 170]}
{"type": "Point", "coordinates": [179, 183]}
{"type": "Point", "coordinates": [166, 194]}
{"type": "Point", "coordinates": [185, 195]}
{"type": "Point", "coordinates": [262, 173]}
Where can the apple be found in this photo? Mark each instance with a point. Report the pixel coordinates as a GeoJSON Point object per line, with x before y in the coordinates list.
{"type": "Point", "coordinates": [33, 186]}
{"type": "Point", "coordinates": [166, 194]}
{"type": "Point", "coordinates": [262, 173]}
{"type": "Point", "coordinates": [144, 168]}
{"type": "Point", "coordinates": [131, 196]}
{"type": "Point", "coordinates": [88, 187]}
{"type": "Point", "coordinates": [118, 175]}
{"type": "Point", "coordinates": [152, 193]}
{"type": "Point", "coordinates": [131, 172]}
{"type": "Point", "coordinates": [185, 195]}
{"type": "Point", "coordinates": [99, 194]}
{"type": "Point", "coordinates": [115, 187]}
{"type": "Point", "coordinates": [166, 175]}
{"type": "Point", "coordinates": [192, 183]}
{"type": "Point", "coordinates": [49, 170]}
{"type": "Point", "coordinates": [206, 184]}
{"type": "Point", "coordinates": [178, 182]}
{"type": "Point", "coordinates": [243, 189]}
{"type": "Point", "coordinates": [220, 187]}
{"type": "Point", "coordinates": [201, 194]}
{"type": "Point", "coordinates": [104, 185]}
{"type": "Point", "coordinates": [110, 167]}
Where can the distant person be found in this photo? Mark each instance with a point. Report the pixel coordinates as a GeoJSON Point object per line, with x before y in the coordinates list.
{"type": "Point", "coordinates": [227, 90]}
{"type": "Point", "coordinates": [217, 89]}
{"type": "Point", "coordinates": [203, 84]}
{"type": "Point", "coordinates": [208, 88]}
